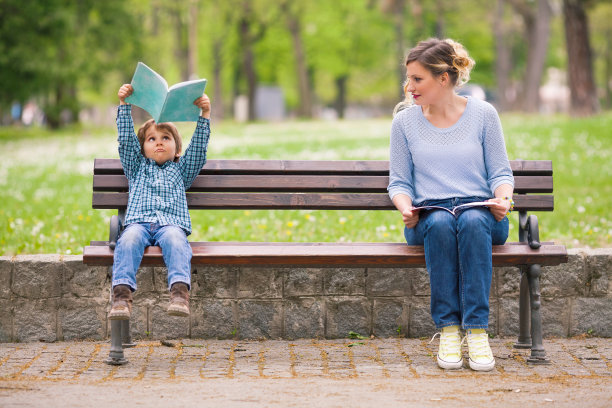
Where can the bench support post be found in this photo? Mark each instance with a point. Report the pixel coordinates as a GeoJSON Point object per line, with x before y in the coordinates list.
{"type": "Point", "coordinates": [126, 336]}
{"type": "Point", "coordinates": [115, 357]}
{"type": "Point", "coordinates": [524, 339]}
{"type": "Point", "coordinates": [538, 354]}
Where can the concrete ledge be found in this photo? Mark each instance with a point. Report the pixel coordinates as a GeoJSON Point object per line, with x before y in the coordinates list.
{"type": "Point", "coordinates": [53, 297]}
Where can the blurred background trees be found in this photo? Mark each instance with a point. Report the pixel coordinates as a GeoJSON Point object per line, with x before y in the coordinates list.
{"type": "Point", "coordinates": [327, 59]}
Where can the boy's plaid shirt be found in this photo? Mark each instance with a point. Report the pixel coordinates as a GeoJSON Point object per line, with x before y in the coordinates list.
{"type": "Point", "coordinates": [157, 193]}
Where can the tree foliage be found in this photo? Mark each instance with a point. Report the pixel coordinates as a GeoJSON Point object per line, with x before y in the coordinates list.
{"type": "Point", "coordinates": [63, 53]}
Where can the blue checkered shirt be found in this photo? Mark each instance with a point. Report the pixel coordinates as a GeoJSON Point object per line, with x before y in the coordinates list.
{"type": "Point", "coordinates": [157, 193]}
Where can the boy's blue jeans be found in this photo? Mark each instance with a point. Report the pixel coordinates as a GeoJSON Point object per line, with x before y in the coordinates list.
{"type": "Point", "coordinates": [129, 251]}
{"type": "Point", "coordinates": [459, 260]}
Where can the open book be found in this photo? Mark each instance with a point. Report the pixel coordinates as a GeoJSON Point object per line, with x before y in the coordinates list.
{"type": "Point", "coordinates": [459, 207]}
{"type": "Point", "coordinates": [174, 104]}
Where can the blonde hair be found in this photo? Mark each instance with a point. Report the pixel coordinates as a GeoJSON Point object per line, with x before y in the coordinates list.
{"type": "Point", "coordinates": [439, 57]}
{"type": "Point", "coordinates": [166, 127]}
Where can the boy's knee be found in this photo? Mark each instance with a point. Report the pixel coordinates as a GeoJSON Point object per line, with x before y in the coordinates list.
{"type": "Point", "coordinates": [132, 235]}
{"type": "Point", "coordinates": [173, 235]}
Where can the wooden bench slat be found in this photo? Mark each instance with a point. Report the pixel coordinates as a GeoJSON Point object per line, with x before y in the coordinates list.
{"type": "Point", "coordinates": [301, 201]}
{"type": "Point", "coordinates": [327, 254]}
{"type": "Point", "coordinates": [347, 167]}
{"type": "Point", "coordinates": [302, 183]}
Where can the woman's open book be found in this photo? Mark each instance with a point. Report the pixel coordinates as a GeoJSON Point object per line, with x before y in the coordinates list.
{"type": "Point", "coordinates": [459, 207]}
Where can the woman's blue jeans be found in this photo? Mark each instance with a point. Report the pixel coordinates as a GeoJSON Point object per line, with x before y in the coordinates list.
{"type": "Point", "coordinates": [459, 260]}
{"type": "Point", "coordinates": [129, 251]}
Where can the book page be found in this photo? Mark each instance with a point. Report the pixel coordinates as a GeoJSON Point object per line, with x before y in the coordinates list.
{"type": "Point", "coordinates": [179, 105]}
{"type": "Point", "coordinates": [150, 91]}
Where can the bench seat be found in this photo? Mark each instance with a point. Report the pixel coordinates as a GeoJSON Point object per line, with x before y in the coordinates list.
{"type": "Point", "coordinates": [327, 254]}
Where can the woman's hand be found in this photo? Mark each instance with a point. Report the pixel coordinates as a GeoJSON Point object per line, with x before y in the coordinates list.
{"type": "Point", "coordinates": [203, 102]}
{"type": "Point", "coordinates": [410, 217]}
{"type": "Point", "coordinates": [501, 209]}
{"type": "Point", "coordinates": [125, 91]}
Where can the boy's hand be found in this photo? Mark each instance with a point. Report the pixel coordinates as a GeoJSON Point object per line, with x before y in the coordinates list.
{"type": "Point", "coordinates": [125, 91]}
{"type": "Point", "coordinates": [203, 103]}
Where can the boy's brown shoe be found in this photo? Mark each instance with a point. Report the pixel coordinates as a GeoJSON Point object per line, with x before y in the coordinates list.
{"type": "Point", "coordinates": [122, 303]}
{"type": "Point", "coordinates": [179, 300]}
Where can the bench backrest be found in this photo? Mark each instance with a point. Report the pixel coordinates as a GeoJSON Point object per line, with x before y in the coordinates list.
{"type": "Point", "coordinates": [292, 184]}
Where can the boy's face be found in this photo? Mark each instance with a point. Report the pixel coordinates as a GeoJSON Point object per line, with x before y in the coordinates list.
{"type": "Point", "coordinates": [159, 146]}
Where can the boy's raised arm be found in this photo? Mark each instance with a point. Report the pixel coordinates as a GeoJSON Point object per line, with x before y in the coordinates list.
{"type": "Point", "coordinates": [195, 155]}
{"type": "Point", "coordinates": [129, 147]}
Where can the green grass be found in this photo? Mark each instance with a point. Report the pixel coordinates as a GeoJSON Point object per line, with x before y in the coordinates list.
{"type": "Point", "coordinates": [45, 182]}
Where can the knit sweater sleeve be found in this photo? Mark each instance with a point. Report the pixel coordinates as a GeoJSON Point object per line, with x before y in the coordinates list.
{"type": "Point", "coordinates": [400, 160]}
{"type": "Point", "coordinates": [495, 155]}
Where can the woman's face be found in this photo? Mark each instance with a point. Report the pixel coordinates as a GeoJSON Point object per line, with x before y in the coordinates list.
{"type": "Point", "coordinates": [422, 85]}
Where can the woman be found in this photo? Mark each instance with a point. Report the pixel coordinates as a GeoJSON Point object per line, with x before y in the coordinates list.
{"type": "Point", "coordinates": [447, 150]}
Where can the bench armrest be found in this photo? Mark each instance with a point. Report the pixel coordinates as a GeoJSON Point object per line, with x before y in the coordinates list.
{"type": "Point", "coordinates": [115, 229]}
{"type": "Point", "coordinates": [529, 225]}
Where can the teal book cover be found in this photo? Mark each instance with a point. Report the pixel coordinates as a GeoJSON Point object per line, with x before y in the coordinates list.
{"type": "Point", "coordinates": [174, 104]}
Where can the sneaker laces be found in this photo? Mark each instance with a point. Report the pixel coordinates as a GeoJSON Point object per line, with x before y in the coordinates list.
{"type": "Point", "coordinates": [478, 346]}
{"type": "Point", "coordinates": [450, 344]}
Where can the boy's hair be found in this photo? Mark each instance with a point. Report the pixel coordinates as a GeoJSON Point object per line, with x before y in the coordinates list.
{"type": "Point", "coordinates": [166, 127]}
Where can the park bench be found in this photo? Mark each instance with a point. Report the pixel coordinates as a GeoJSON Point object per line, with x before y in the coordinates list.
{"type": "Point", "coordinates": [329, 185]}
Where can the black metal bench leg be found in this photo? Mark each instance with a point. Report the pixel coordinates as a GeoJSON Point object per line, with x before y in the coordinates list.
{"type": "Point", "coordinates": [524, 339]}
{"type": "Point", "coordinates": [538, 354]}
{"type": "Point", "coordinates": [126, 336]}
{"type": "Point", "coordinates": [115, 357]}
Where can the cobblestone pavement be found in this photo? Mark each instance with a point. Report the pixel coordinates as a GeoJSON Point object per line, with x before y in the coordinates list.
{"type": "Point", "coordinates": [299, 373]}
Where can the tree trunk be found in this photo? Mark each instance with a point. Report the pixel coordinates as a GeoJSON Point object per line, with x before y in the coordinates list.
{"type": "Point", "coordinates": [218, 112]}
{"type": "Point", "coordinates": [192, 46]}
{"type": "Point", "coordinates": [608, 58]}
{"type": "Point", "coordinates": [538, 33]}
{"type": "Point", "coordinates": [304, 85]}
{"type": "Point", "coordinates": [579, 57]}
{"type": "Point", "coordinates": [341, 95]}
{"type": "Point", "coordinates": [248, 61]}
{"type": "Point", "coordinates": [503, 60]}
{"type": "Point", "coordinates": [400, 6]}
{"type": "Point", "coordinates": [181, 50]}
{"type": "Point", "coordinates": [537, 28]}
{"type": "Point", "coordinates": [440, 22]}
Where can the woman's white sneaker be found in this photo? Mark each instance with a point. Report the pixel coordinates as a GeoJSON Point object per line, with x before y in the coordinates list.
{"type": "Point", "coordinates": [449, 351]}
{"type": "Point", "coordinates": [481, 356]}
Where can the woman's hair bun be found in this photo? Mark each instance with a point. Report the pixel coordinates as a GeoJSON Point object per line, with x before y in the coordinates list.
{"type": "Point", "coordinates": [461, 62]}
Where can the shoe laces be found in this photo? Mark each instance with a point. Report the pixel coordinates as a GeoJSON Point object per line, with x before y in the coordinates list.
{"type": "Point", "coordinates": [478, 345]}
{"type": "Point", "coordinates": [450, 343]}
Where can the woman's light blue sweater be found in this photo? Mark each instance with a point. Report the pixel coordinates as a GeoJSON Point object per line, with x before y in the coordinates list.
{"type": "Point", "coordinates": [467, 159]}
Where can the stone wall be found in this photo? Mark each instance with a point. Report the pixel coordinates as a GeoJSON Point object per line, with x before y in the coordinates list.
{"type": "Point", "coordinates": [53, 297]}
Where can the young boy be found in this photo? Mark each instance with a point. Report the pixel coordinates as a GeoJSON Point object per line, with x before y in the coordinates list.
{"type": "Point", "coordinates": [157, 211]}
